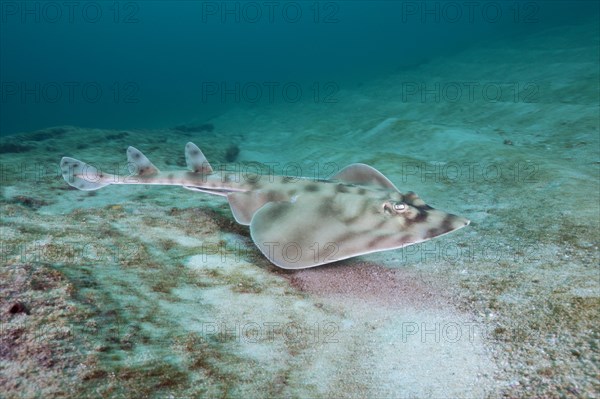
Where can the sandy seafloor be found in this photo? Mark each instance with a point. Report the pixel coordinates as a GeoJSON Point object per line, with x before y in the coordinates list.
{"type": "Point", "coordinates": [118, 293]}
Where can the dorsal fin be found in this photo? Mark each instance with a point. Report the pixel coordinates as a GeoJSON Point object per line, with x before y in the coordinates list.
{"type": "Point", "coordinates": [195, 159]}
{"type": "Point", "coordinates": [143, 166]}
{"type": "Point", "coordinates": [359, 173]}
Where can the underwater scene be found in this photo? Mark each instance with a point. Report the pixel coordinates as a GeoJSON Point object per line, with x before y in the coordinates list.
{"type": "Point", "coordinates": [299, 199]}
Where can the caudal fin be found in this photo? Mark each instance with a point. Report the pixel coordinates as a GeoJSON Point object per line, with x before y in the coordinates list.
{"type": "Point", "coordinates": [82, 175]}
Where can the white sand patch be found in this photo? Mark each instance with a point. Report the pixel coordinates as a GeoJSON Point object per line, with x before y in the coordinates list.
{"type": "Point", "coordinates": [394, 336]}
{"type": "Point", "coordinates": [402, 353]}
{"type": "Point", "coordinates": [433, 354]}
{"type": "Point", "coordinates": [382, 354]}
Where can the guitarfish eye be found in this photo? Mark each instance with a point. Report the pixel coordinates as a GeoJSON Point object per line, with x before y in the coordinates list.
{"type": "Point", "coordinates": [394, 208]}
{"type": "Point", "coordinates": [400, 207]}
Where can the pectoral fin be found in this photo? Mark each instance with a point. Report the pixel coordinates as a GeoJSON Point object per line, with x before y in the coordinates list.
{"type": "Point", "coordinates": [314, 230]}
{"type": "Point", "coordinates": [308, 232]}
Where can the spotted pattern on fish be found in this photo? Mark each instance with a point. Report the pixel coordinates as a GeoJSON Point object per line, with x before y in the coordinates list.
{"type": "Point", "coordinates": [341, 188]}
{"type": "Point", "coordinates": [311, 187]}
{"type": "Point", "coordinates": [317, 221]}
